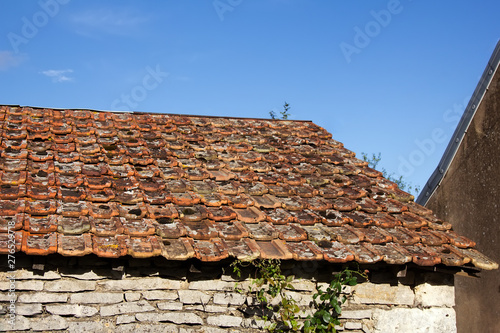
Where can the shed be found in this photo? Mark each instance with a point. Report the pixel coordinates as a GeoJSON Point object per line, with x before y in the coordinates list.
{"type": "Point", "coordinates": [128, 222]}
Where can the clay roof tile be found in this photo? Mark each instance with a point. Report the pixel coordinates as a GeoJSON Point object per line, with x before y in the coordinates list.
{"type": "Point", "coordinates": [77, 182]}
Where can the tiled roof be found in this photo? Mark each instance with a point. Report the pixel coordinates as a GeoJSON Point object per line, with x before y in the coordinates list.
{"type": "Point", "coordinates": [77, 182]}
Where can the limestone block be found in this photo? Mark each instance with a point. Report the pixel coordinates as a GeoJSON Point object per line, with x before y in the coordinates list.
{"type": "Point", "coordinates": [130, 307]}
{"type": "Point", "coordinates": [84, 275]}
{"type": "Point", "coordinates": [125, 319]}
{"type": "Point", "coordinates": [224, 321]}
{"type": "Point", "coordinates": [428, 295]}
{"type": "Point", "coordinates": [132, 297]}
{"type": "Point", "coordinates": [147, 328]}
{"type": "Point", "coordinates": [433, 320]}
{"type": "Point", "coordinates": [89, 326]}
{"type": "Point", "coordinates": [21, 324]}
{"type": "Point", "coordinates": [254, 323]}
{"type": "Point", "coordinates": [71, 310]}
{"type": "Point", "coordinates": [96, 298]}
{"type": "Point", "coordinates": [22, 285]}
{"type": "Point", "coordinates": [43, 298]}
{"type": "Point", "coordinates": [23, 274]}
{"type": "Point", "coordinates": [193, 297]}
{"type": "Point", "coordinates": [210, 308]}
{"type": "Point", "coordinates": [303, 285]}
{"type": "Point", "coordinates": [229, 299]}
{"type": "Point", "coordinates": [211, 285]}
{"type": "Point", "coordinates": [353, 325]}
{"type": "Point", "coordinates": [356, 314]}
{"type": "Point", "coordinates": [160, 295]}
{"type": "Point", "coordinates": [69, 286]}
{"type": "Point", "coordinates": [176, 318]}
{"type": "Point", "coordinates": [50, 323]}
{"type": "Point", "coordinates": [29, 309]}
{"type": "Point", "coordinates": [141, 284]}
{"type": "Point", "coordinates": [170, 306]}
{"type": "Point", "coordinates": [370, 293]}
{"type": "Point", "coordinates": [4, 297]}
{"type": "Point", "coordinates": [204, 330]}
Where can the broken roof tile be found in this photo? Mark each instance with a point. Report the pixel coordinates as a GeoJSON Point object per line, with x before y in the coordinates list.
{"type": "Point", "coordinates": [73, 209]}
{"type": "Point", "coordinates": [335, 252]}
{"type": "Point", "coordinates": [393, 253]}
{"type": "Point", "coordinates": [40, 224]}
{"type": "Point", "coordinates": [141, 227]}
{"type": "Point", "coordinates": [9, 192]}
{"type": "Point", "coordinates": [204, 229]}
{"type": "Point", "coordinates": [209, 250]}
{"type": "Point", "coordinates": [402, 236]}
{"type": "Point", "coordinates": [6, 242]}
{"type": "Point", "coordinates": [423, 256]}
{"type": "Point", "coordinates": [305, 251]}
{"type": "Point", "coordinates": [169, 228]}
{"type": "Point", "coordinates": [39, 244]}
{"type": "Point", "coordinates": [231, 231]}
{"type": "Point", "coordinates": [13, 222]}
{"type": "Point", "coordinates": [245, 249]}
{"type": "Point", "coordinates": [291, 232]}
{"type": "Point", "coordinates": [364, 253]}
{"type": "Point", "coordinates": [261, 231]}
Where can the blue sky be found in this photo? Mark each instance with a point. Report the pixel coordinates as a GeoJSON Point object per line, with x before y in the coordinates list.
{"type": "Point", "coordinates": [382, 76]}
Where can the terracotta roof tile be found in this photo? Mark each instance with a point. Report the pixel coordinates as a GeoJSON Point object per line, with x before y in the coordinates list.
{"type": "Point", "coordinates": [109, 246]}
{"type": "Point", "coordinates": [77, 182]}
{"type": "Point", "coordinates": [13, 222]}
{"type": "Point", "coordinates": [40, 224]}
{"type": "Point", "coordinates": [74, 245]}
{"type": "Point", "coordinates": [39, 244]}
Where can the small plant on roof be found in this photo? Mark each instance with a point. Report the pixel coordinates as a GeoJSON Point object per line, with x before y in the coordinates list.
{"type": "Point", "coordinates": [284, 114]}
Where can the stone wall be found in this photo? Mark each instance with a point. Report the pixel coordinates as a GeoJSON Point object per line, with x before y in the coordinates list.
{"type": "Point", "coordinates": [139, 296]}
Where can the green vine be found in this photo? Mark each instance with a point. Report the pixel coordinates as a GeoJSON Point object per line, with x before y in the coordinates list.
{"type": "Point", "coordinates": [328, 303]}
{"type": "Point", "coordinates": [271, 283]}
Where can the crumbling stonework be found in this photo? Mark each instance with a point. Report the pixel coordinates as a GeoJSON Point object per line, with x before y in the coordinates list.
{"type": "Point", "coordinates": [181, 298]}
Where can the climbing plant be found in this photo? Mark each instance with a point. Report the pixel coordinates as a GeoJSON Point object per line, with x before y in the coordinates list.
{"type": "Point", "coordinates": [270, 283]}
{"type": "Point", "coordinates": [328, 303]}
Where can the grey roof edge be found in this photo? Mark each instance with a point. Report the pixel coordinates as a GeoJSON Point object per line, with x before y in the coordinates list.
{"type": "Point", "coordinates": [456, 140]}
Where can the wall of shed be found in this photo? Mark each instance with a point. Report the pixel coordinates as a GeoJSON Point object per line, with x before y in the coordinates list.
{"type": "Point", "coordinates": [469, 198]}
{"type": "Point", "coordinates": [94, 295]}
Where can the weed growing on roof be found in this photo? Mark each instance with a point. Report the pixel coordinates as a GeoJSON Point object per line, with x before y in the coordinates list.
{"type": "Point", "coordinates": [284, 114]}
{"type": "Point", "coordinates": [270, 284]}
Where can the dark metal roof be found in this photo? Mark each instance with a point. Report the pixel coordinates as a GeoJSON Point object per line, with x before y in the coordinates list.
{"type": "Point", "coordinates": [456, 140]}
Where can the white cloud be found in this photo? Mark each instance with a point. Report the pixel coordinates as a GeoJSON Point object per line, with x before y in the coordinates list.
{"type": "Point", "coordinates": [58, 75]}
{"type": "Point", "coordinates": [8, 59]}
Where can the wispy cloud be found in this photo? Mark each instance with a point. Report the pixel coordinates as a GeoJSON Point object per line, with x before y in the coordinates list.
{"type": "Point", "coordinates": [58, 75]}
{"type": "Point", "coordinates": [8, 60]}
{"type": "Point", "coordinates": [106, 20]}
